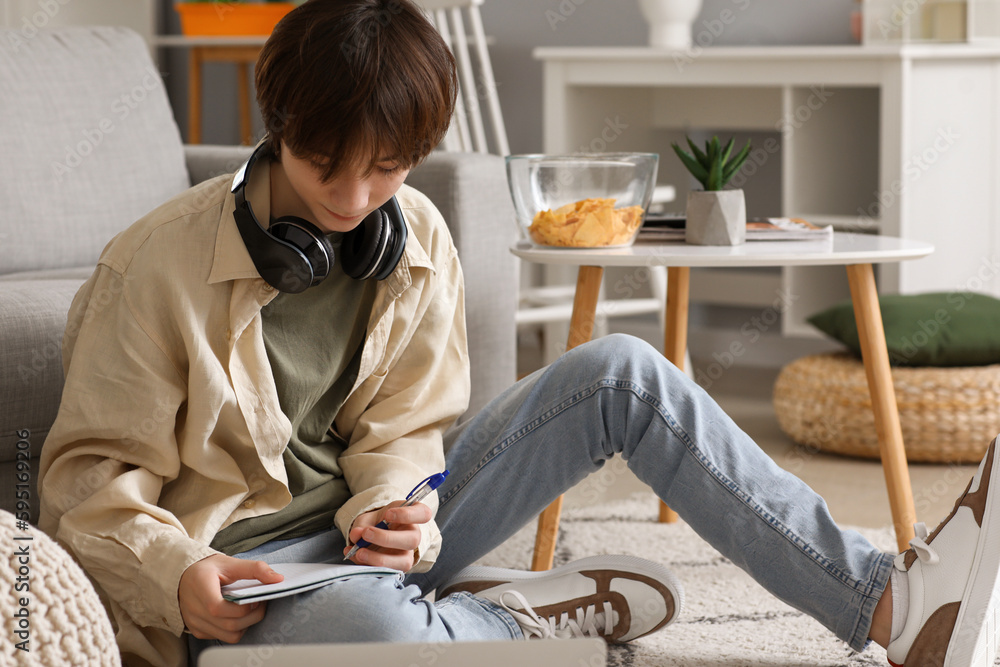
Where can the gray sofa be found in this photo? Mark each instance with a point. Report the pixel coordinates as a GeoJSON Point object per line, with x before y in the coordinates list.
{"type": "Point", "coordinates": [88, 144]}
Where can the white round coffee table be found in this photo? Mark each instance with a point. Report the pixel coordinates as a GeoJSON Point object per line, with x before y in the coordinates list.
{"type": "Point", "coordinates": [857, 252]}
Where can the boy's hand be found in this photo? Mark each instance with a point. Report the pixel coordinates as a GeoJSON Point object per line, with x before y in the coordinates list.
{"type": "Point", "coordinates": [394, 547]}
{"type": "Point", "coordinates": [206, 614]}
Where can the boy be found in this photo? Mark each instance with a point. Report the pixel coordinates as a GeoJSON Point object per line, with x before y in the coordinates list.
{"type": "Point", "coordinates": [235, 398]}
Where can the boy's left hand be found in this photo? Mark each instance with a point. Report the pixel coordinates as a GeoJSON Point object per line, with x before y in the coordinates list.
{"type": "Point", "coordinates": [396, 546]}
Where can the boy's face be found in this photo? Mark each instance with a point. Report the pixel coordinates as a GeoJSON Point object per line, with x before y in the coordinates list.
{"type": "Point", "coordinates": [341, 204]}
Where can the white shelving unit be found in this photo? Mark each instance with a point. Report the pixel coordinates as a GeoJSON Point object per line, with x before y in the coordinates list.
{"type": "Point", "coordinates": [901, 140]}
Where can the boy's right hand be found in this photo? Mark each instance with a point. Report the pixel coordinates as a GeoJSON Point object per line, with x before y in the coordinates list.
{"type": "Point", "coordinates": [206, 614]}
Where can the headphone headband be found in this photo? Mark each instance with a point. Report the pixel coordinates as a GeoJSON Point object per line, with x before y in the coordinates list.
{"type": "Point", "coordinates": [293, 254]}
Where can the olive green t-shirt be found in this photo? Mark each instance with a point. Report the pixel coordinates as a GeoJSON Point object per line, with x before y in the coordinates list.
{"type": "Point", "coordinates": [314, 341]}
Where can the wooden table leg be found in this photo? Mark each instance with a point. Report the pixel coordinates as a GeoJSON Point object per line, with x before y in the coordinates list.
{"type": "Point", "coordinates": [675, 334]}
{"type": "Point", "coordinates": [246, 123]}
{"type": "Point", "coordinates": [581, 328]}
{"type": "Point", "coordinates": [194, 95]}
{"type": "Point", "coordinates": [890, 435]}
{"type": "Point", "coordinates": [675, 337]}
{"type": "Point", "coordinates": [546, 536]}
{"type": "Point", "coordinates": [588, 289]}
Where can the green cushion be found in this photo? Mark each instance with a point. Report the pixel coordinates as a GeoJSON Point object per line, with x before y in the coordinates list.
{"type": "Point", "coordinates": [938, 329]}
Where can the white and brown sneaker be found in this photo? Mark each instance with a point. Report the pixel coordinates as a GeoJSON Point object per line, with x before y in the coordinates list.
{"type": "Point", "coordinates": [618, 598]}
{"type": "Point", "coordinates": [953, 581]}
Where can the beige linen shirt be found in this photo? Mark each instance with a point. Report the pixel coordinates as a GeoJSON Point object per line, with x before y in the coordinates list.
{"type": "Point", "coordinates": [170, 429]}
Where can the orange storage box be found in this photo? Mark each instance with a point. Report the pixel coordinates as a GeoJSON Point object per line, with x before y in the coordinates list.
{"type": "Point", "coordinates": [230, 18]}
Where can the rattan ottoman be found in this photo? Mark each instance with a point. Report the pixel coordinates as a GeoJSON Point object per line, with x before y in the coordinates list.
{"type": "Point", "coordinates": [947, 414]}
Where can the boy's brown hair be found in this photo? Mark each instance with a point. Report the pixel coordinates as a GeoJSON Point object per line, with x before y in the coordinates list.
{"type": "Point", "coordinates": [349, 83]}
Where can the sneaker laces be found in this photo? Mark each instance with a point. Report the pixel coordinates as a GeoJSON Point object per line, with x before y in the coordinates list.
{"type": "Point", "coordinates": [924, 551]}
{"type": "Point", "coordinates": [586, 623]}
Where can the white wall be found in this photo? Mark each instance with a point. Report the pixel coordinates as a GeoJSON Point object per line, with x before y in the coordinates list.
{"type": "Point", "coordinates": [518, 26]}
{"type": "Point", "coordinates": [521, 25]}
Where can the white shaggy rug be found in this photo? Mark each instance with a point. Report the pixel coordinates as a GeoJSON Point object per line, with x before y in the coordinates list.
{"type": "Point", "coordinates": [728, 619]}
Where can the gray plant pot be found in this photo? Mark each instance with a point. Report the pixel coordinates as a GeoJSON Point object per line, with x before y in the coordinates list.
{"type": "Point", "coordinates": [716, 217]}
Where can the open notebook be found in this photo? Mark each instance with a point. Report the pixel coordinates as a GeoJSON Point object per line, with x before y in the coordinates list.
{"type": "Point", "coordinates": [547, 652]}
{"type": "Point", "coordinates": [300, 577]}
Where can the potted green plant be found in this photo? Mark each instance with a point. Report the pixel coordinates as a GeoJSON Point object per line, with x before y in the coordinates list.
{"type": "Point", "coordinates": [714, 216]}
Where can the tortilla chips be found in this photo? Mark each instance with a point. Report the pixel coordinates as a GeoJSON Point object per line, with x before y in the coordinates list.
{"type": "Point", "coordinates": [588, 223]}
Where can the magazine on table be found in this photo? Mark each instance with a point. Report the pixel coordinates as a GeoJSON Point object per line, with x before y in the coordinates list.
{"type": "Point", "coordinates": [671, 228]}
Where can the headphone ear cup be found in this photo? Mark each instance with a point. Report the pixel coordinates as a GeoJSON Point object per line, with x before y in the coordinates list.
{"type": "Point", "coordinates": [364, 246]}
{"type": "Point", "coordinates": [396, 241]}
{"type": "Point", "coordinates": [308, 238]}
{"type": "Point", "coordinates": [374, 247]}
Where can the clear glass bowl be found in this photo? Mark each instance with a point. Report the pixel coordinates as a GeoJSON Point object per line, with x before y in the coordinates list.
{"type": "Point", "coordinates": [585, 200]}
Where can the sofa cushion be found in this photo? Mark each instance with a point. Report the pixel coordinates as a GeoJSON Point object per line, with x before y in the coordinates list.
{"type": "Point", "coordinates": [88, 144]}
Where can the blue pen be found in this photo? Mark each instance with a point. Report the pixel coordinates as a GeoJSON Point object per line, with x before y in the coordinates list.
{"type": "Point", "coordinates": [419, 492]}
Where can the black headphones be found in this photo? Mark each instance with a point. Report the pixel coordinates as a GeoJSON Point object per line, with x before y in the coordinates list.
{"type": "Point", "coordinates": [293, 254]}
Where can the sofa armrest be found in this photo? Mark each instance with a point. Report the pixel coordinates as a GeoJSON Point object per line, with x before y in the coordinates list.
{"type": "Point", "coordinates": [205, 162]}
{"type": "Point", "coordinates": [470, 190]}
{"type": "Point", "coordinates": [32, 322]}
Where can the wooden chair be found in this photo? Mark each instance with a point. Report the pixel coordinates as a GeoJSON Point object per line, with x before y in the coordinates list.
{"type": "Point", "coordinates": [461, 25]}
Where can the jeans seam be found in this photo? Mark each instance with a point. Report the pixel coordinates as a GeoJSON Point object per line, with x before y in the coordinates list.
{"type": "Point", "coordinates": [859, 635]}
{"type": "Point", "coordinates": [855, 585]}
{"type": "Point", "coordinates": [865, 588]}
{"type": "Point", "coordinates": [521, 432]}
{"type": "Point", "coordinates": [494, 609]}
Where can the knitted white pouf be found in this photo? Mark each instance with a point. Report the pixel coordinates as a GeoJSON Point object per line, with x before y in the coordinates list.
{"type": "Point", "coordinates": [49, 606]}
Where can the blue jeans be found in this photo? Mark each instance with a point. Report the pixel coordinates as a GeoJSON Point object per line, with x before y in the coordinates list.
{"type": "Point", "coordinates": [615, 395]}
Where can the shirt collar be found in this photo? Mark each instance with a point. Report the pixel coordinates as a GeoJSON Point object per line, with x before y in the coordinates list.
{"type": "Point", "coordinates": [232, 260]}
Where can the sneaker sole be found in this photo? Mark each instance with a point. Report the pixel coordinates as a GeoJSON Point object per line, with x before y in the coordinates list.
{"type": "Point", "coordinates": [974, 640]}
{"type": "Point", "coordinates": [616, 562]}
